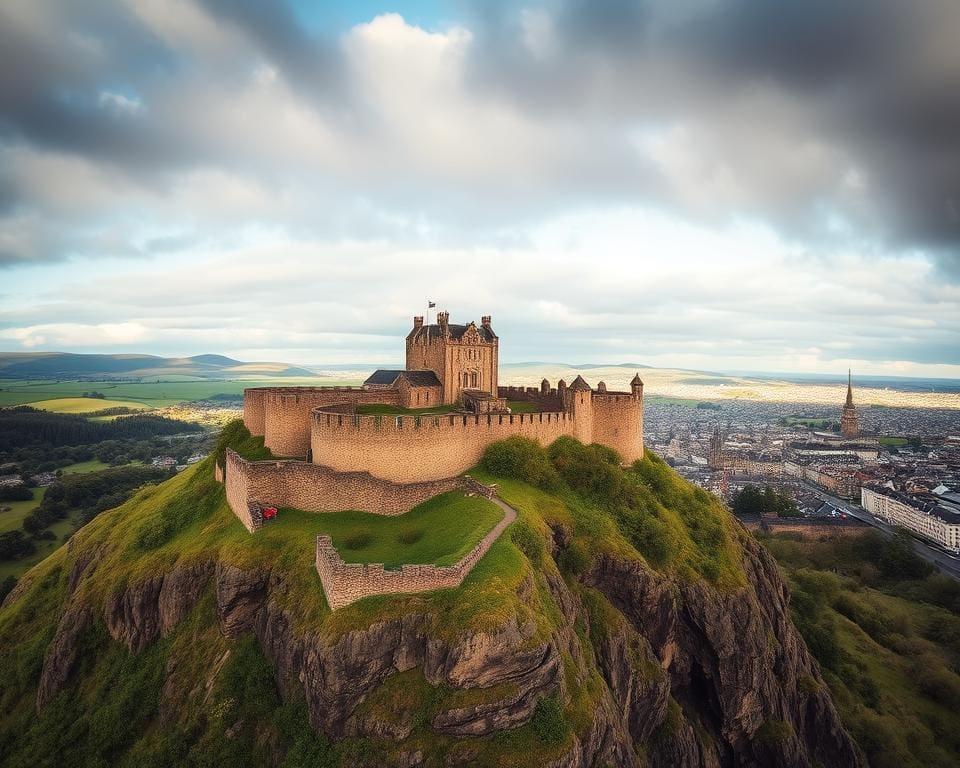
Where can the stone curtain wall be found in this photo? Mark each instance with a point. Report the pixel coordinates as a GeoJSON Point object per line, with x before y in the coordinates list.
{"type": "Point", "coordinates": [345, 583]}
{"type": "Point", "coordinates": [281, 415]}
{"type": "Point", "coordinates": [618, 423]}
{"type": "Point", "coordinates": [315, 488]}
{"type": "Point", "coordinates": [409, 448]}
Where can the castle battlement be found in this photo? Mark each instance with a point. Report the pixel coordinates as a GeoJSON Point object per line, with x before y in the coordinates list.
{"type": "Point", "coordinates": [454, 365]}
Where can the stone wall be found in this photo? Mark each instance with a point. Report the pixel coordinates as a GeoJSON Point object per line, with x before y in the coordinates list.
{"type": "Point", "coordinates": [618, 423]}
{"type": "Point", "coordinates": [281, 415]}
{"type": "Point", "coordinates": [409, 448]}
{"type": "Point", "coordinates": [315, 488]}
{"type": "Point", "coordinates": [345, 583]}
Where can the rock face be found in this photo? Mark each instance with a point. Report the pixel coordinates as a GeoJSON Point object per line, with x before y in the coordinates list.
{"type": "Point", "coordinates": [736, 666]}
{"type": "Point", "coordinates": [693, 676]}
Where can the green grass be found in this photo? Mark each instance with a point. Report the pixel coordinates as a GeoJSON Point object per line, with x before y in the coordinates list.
{"type": "Point", "coordinates": [84, 404]}
{"type": "Point", "coordinates": [94, 465]}
{"type": "Point", "coordinates": [168, 390]}
{"type": "Point", "coordinates": [523, 406]}
{"type": "Point", "coordinates": [447, 527]}
{"type": "Point", "coordinates": [13, 519]}
{"type": "Point", "coordinates": [892, 441]}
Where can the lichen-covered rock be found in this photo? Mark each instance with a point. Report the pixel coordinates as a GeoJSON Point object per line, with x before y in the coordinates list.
{"type": "Point", "coordinates": [62, 654]}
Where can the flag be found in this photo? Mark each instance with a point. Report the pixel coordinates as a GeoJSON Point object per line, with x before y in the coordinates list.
{"type": "Point", "coordinates": [431, 304]}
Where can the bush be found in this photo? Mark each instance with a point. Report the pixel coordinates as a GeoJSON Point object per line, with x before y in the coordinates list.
{"type": "Point", "coordinates": [773, 732]}
{"type": "Point", "coordinates": [14, 545]}
{"type": "Point", "coordinates": [15, 493]}
{"type": "Point", "coordinates": [6, 587]}
{"type": "Point", "coordinates": [520, 458]}
{"type": "Point", "coordinates": [548, 721]}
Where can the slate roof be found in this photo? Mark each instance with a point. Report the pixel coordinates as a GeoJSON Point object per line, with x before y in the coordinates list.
{"type": "Point", "coordinates": [383, 376]}
{"type": "Point", "coordinates": [456, 332]}
{"type": "Point", "coordinates": [386, 377]}
{"type": "Point", "coordinates": [421, 378]}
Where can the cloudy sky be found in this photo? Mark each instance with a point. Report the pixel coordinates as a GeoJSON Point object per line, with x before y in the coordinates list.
{"type": "Point", "coordinates": [716, 184]}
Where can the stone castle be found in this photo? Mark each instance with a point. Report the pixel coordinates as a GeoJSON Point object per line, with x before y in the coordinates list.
{"type": "Point", "coordinates": [436, 417]}
{"type": "Point", "coordinates": [337, 458]}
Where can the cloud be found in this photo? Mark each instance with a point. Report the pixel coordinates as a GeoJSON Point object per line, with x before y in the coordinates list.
{"type": "Point", "coordinates": [803, 158]}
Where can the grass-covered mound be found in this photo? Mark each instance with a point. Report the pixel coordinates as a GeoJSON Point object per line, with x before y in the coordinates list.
{"type": "Point", "coordinates": [196, 698]}
{"type": "Point", "coordinates": [886, 631]}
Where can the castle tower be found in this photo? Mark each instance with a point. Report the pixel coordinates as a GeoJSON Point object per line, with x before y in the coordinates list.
{"type": "Point", "coordinates": [636, 385]}
{"type": "Point", "coordinates": [464, 357]}
{"type": "Point", "coordinates": [849, 423]}
{"type": "Point", "coordinates": [578, 400]}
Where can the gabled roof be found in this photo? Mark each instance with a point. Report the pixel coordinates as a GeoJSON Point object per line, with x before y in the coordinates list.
{"type": "Point", "coordinates": [636, 380]}
{"type": "Point", "coordinates": [388, 377]}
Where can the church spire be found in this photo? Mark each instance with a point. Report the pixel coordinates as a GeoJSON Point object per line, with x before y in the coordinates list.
{"type": "Point", "coordinates": [849, 389]}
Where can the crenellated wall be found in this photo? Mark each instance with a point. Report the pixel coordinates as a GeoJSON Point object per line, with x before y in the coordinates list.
{"type": "Point", "coordinates": [282, 414]}
{"type": "Point", "coordinates": [345, 583]}
{"type": "Point", "coordinates": [408, 448]}
{"type": "Point", "coordinates": [315, 488]}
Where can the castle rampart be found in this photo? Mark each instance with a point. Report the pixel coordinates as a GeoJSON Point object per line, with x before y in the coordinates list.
{"type": "Point", "coordinates": [282, 414]}
{"type": "Point", "coordinates": [618, 423]}
{"type": "Point", "coordinates": [314, 488]}
{"type": "Point", "coordinates": [407, 448]}
{"type": "Point", "coordinates": [345, 583]}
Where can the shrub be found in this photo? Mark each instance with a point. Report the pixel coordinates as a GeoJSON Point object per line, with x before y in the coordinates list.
{"type": "Point", "coordinates": [548, 721]}
{"type": "Point", "coordinates": [520, 458]}
{"type": "Point", "coordinates": [575, 559]}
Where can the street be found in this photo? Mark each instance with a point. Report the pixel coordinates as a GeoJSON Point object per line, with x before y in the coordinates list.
{"type": "Point", "coordinates": [932, 554]}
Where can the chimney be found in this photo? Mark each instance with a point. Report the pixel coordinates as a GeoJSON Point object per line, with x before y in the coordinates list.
{"type": "Point", "coordinates": [485, 321]}
{"type": "Point", "coordinates": [417, 321]}
{"type": "Point", "coordinates": [442, 319]}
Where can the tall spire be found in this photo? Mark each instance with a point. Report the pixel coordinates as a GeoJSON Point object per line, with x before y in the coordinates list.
{"type": "Point", "coordinates": [849, 389]}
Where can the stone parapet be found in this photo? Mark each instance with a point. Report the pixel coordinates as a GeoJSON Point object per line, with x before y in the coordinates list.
{"type": "Point", "coordinates": [345, 583]}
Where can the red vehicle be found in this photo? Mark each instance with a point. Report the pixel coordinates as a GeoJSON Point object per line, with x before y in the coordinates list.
{"type": "Point", "coordinates": [269, 513]}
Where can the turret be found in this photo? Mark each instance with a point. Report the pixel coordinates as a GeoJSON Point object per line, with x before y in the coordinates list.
{"type": "Point", "coordinates": [636, 386]}
{"type": "Point", "coordinates": [601, 386]}
{"type": "Point", "coordinates": [417, 321]}
{"type": "Point", "coordinates": [561, 389]}
{"type": "Point", "coordinates": [485, 321]}
{"type": "Point", "coordinates": [443, 320]}
{"type": "Point", "coordinates": [544, 387]}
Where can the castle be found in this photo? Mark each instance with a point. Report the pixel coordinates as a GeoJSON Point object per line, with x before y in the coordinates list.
{"type": "Point", "coordinates": [337, 458]}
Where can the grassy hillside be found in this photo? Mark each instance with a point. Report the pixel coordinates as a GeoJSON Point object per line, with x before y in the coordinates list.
{"type": "Point", "coordinates": [886, 631]}
{"type": "Point", "coordinates": [197, 698]}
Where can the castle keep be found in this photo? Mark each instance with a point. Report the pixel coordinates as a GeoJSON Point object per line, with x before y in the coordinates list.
{"type": "Point", "coordinates": [338, 458]}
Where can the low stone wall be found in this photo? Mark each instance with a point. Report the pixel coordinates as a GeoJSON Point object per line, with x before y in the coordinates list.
{"type": "Point", "coordinates": [808, 528]}
{"type": "Point", "coordinates": [315, 488]}
{"type": "Point", "coordinates": [345, 583]}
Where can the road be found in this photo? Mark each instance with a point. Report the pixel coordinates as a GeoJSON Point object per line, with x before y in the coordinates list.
{"type": "Point", "coordinates": [932, 554]}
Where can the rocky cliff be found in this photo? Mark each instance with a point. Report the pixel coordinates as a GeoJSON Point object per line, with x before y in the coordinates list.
{"type": "Point", "coordinates": [609, 663]}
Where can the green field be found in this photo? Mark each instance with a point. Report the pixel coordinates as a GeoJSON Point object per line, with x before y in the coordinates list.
{"type": "Point", "coordinates": [439, 531]}
{"type": "Point", "coordinates": [169, 390]}
{"type": "Point", "coordinates": [94, 465]}
{"type": "Point", "coordinates": [84, 404]}
{"type": "Point", "coordinates": [892, 441]}
{"type": "Point", "coordinates": [12, 519]}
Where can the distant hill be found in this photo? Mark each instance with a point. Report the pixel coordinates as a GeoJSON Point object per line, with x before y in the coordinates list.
{"type": "Point", "coordinates": [55, 365]}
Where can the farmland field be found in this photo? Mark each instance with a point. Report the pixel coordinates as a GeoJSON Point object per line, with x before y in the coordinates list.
{"type": "Point", "coordinates": [169, 390]}
{"type": "Point", "coordinates": [84, 404]}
